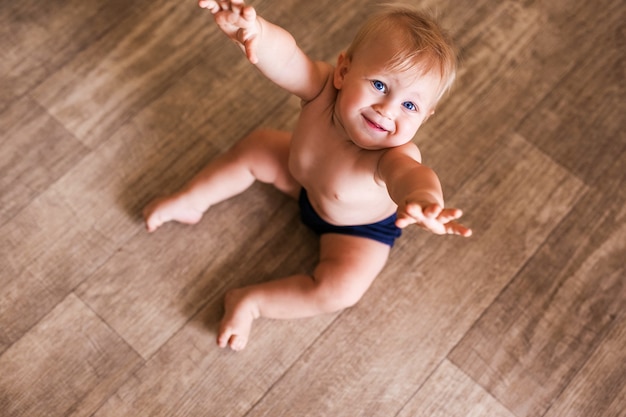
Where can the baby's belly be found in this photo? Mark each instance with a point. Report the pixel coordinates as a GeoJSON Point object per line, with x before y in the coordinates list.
{"type": "Point", "coordinates": [349, 207]}
{"type": "Point", "coordinates": [341, 190]}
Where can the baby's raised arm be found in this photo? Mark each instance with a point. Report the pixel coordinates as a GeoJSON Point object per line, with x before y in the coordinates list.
{"type": "Point", "coordinates": [271, 48]}
{"type": "Point", "coordinates": [416, 190]}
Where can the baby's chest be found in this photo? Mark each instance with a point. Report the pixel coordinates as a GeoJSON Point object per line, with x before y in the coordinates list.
{"type": "Point", "coordinates": [337, 169]}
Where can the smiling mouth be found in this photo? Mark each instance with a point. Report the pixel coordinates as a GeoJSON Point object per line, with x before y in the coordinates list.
{"type": "Point", "coordinates": [374, 125]}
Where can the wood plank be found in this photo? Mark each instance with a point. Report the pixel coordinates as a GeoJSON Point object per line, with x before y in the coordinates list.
{"type": "Point", "coordinates": [35, 151]}
{"type": "Point", "coordinates": [429, 295]}
{"type": "Point", "coordinates": [37, 38]}
{"type": "Point", "coordinates": [66, 233]}
{"type": "Point", "coordinates": [599, 389]}
{"type": "Point", "coordinates": [131, 65]}
{"type": "Point", "coordinates": [128, 67]}
{"type": "Point", "coordinates": [69, 363]}
{"type": "Point", "coordinates": [580, 123]}
{"type": "Point", "coordinates": [449, 392]}
{"type": "Point", "coordinates": [530, 343]}
{"type": "Point", "coordinates": [190, 376]}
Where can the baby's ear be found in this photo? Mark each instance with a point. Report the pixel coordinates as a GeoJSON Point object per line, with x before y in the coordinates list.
{"type": "Point", "coordinates": [343, 64]}
{"type": "Point", "coordinates": [430, 113]}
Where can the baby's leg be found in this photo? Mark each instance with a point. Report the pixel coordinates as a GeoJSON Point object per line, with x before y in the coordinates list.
{"type": "Point", "coordinates": [347, 267]}
{"type": "Point", "coordinates": [262, 155]}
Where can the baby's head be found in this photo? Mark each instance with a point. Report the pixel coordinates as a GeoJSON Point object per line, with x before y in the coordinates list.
{"type": "Point", "coordinates": [420, 44]}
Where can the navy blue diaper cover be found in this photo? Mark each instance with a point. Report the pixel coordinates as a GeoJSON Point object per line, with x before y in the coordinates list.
{"type": "Point", "coordinates": [384, 231]}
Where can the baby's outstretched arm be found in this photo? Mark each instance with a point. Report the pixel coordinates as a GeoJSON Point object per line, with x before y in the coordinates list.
{"type": "Point", "coordinates": [417, 191]}
{"type": "Point", "coordinates": [271, 48]}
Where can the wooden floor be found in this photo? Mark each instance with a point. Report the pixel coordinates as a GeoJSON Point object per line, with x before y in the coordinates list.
{"type": "Point", "coordinates": [106, 104]}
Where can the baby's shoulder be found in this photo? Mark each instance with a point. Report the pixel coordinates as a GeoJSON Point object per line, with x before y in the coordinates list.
{"type": "Point", "coordinates": [328, 92]}
{"type": "Point", "coordinates": [409, 149]}
{"type": "Point", "coordinates": [397, 159]}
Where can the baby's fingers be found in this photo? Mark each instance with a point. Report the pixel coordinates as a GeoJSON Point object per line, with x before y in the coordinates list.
{"type": "Point", "coordinates": [211, 5]}
{"type": "Point", "coordinates": [404, 221]}
{"type": "Point", "coordinates": [236, 6]}
{"type": "Point", "coordinates": [447, 217]}
{"type": "Point", "coordinates": [449, 214]}
{"type": "Point", "coordinates": [241, 16]}
{"type": "Point", "coordinates": [432, 211]}
{"type": "Point", "coordinates": [416, 213]}
{"type": "Point", "coordinates": [410, 214]}
{"type": "Point", "coordinates": [454, 228]}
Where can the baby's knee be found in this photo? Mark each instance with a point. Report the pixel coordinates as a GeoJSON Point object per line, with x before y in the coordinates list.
{"type": "Point", "coordinates": [263, 144]}
{"type": "Point", "coordinates": [336, 295]}
{"type": "Point", "coordinates": [257, 138]}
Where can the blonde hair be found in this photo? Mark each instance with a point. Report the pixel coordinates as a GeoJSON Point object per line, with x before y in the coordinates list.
{"type": "Point", "coordinates": [423, 44]}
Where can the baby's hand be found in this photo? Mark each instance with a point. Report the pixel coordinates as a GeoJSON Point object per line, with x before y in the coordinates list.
{"type": "Point", "coordinates": [237, 21]}
{"type": "Point", "coordinates": [432, 217]}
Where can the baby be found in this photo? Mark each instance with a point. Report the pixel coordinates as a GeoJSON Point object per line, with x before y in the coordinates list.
{"type": "Point", "coordinates": [349, 162]}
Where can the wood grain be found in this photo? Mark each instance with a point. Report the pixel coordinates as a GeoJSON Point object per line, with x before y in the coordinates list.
{"type": "Point", "coordinates": [557, 310]}
{"type": "Point", "coordinates": [35, 151]}
{"type": "Point", "coordinates": [594, 80]}
{"type": "Point", "coordinates": [599, 389]}
{"type": "Point", "coordinates": [70, 353]}
{"type": "Point", "coordinates": [449, 392]}
{"type": "Point", "coordinates": [37, 38]}
{"type": "Point", "coordinates": [131, 65]}
{"type": "Point", "coordinates": [105, 105]}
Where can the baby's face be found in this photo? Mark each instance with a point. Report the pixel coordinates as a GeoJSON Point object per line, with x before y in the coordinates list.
{"type": "Point", "coordinates": [380, 108]}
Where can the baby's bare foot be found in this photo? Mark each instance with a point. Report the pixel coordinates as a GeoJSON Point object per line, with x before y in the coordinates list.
{"type": "Point", "coordinates": [165, 209]}
{"type": "Point", "coordinates": [237, 321]}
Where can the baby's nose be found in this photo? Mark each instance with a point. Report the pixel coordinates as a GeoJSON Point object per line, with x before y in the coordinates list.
{"type": "Point", "coordinates": [385, 109]}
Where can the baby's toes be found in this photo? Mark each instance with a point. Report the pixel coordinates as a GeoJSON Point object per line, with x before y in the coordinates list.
{"type": "Point", "coordinates": [237, 342]}
{"type": "Point", "coordinates": [231, 339]}
{"type": "Point", "coordinates": [224, 338]}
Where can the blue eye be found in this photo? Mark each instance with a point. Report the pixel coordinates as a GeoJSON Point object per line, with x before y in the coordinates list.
{"type": "Point", "coordinates": [379, 85]}
{"type": "Point", "coordinates": [409, 106]}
